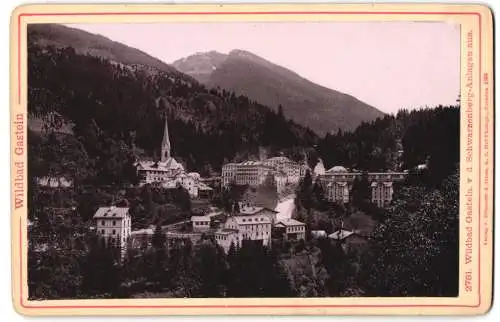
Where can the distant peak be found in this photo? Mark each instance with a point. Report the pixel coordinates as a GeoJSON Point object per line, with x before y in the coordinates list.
{"type": "Point", "coordinates": [241, 52]}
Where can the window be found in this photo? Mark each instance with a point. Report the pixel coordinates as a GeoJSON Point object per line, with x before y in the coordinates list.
{"type": "Point", "coordinates": [114, 231]}
{"type": "Point", "coordinates": [102, 231]}
{"type": "Point", "coordinates": [103, 223]}
{"type": "Point", "coordinates": [114, 222]}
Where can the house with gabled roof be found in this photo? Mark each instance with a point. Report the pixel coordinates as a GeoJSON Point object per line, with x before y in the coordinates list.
{"type": "Point", "coordinates": [114, 225]}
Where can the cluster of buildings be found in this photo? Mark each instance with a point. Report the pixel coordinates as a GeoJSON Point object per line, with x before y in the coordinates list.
{"type": "Point", "coordinates": [338, 181]}
{"type": "Point", "coordinates": [168, 173]}
{"type": "Point", "coordinates": [253, 173]}
{"type": "Point", "coordinates": [250, 223]}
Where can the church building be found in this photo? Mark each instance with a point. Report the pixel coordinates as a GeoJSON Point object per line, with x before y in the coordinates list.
{"type": "Point", "coordinates": [167, 172]}
{"type": "Point", "coordinates": [159, 171]}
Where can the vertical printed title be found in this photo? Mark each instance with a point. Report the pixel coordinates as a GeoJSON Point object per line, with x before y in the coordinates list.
{"type": "Point", "coordinates": [469, 107]}
{"type": "Point", "coordinates": [19, 169]}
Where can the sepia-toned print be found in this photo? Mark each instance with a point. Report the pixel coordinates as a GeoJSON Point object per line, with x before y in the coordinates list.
{"type": "Point", "coordinates": [246, 160]}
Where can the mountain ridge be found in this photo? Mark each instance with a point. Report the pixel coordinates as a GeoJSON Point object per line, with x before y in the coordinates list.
{"type": "Point", "coordinates": [87, 43]}
{"type": "Point", "coordinates": [310, 104]}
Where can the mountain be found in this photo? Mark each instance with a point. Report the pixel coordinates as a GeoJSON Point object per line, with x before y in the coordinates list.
{"type": "Point", "coordinates": [106, 112]}
{"type": "Point", "coordinates": [86, 43]}
{"type": "Point", "coordinates": [320, 108]}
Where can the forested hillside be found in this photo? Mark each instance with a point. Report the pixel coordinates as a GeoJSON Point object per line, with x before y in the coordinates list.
{"type": "Point", "coordinates": [85, 43]}
{"type": "Point", "coordinates": [118, 111]}
{"type": "Point", "coordinates": [400, 141]}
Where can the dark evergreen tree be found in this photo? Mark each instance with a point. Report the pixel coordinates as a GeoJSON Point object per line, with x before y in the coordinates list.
{"type": "Point", "coordinates": [361, 191]}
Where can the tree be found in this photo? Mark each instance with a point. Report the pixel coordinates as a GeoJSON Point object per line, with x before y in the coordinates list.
{"type": "Point", "coordinates": [319, 194]}
{"type": "Point", "coordinates": [305, 194]}
{"type": "Point", "coordinates": [335, 261]}
{"type": "Point", "coordinates": [159, 239]}
{"type": "Point", "coordinates": [269, 182]}
{"type": "Point", "coordinates": [100, 271]}
{"type": "Point", "coordinates": [159, 271]}
{"type": "Point", "coordinates": [53, 274]}
{"type": "Point", "coordinates": [361, 192]}
{"type": "Point", "coordinates": [236, 207]}
{"type": "Point", "coordinates": [256, 272]}
{"type": "Point", "coordinates": [415, 251]}
{"type": "Point", "coordinates": [211, 267]}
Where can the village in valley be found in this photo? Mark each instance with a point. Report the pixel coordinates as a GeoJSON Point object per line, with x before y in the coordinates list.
{"type": "Point", "coordinates": [246, 221]}
{"type": "Point", "coordinates": [155, 180]}
{"type": "Point", "coordinates": [261, 208]}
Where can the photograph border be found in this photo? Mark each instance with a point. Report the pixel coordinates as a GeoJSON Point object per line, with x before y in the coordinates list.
{"type": "Point", "coordinates": [483, 35]}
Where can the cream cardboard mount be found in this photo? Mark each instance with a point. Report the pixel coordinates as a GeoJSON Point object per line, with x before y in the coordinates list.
{"type": "Point", "coordinates": [169, 159]}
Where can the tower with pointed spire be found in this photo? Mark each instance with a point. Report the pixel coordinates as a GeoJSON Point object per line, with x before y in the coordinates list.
{"type": "Point", "coordinates": [165, 144]}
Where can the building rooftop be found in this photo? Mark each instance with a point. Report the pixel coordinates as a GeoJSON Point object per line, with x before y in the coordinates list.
{"type": "Point", "coordinates": [337, 169]}
{"type": "Point", "coordinates": [170, 164]}
{"type": "Point", "coordinates": [279, 159]}
{"type": "Point", "coordinates": [200, 218]}
{"type": "Point", "coordinates": [290, 222]}
{"type": "Point", "coordinates": [340, 234]}
{"type": "Point", "coordinates": [203, 186]}
{"type": "Point", "coordinates": [252, 210]}
{"type": "Point", "coordinates": [226, 231]}
{"type": "Point", "coordinates": [242, 220]}
{"type": "Point", "coordinates": [145, 231]}
{"type": "Point", "coordinates": [111, 212]}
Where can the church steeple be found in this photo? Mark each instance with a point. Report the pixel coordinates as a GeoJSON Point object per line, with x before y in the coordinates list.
{"type": "Point", "coordinates": [165, 143]}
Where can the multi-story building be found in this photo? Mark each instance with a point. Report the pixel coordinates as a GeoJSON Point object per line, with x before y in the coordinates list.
{"type": "Point", "coordinates": [291, 229]}
{"type": "Point", "coordinates": [338, 182]}
{"type": "Point", "coordinates": [254, 173]}
{"type": "Point", "coordinates": [114, 225]}
{"type": "Point", "coordinates": [293, 170]}
{"type": "Point", "coordinates": [225, 237]}
{"type": "Point", "coordinates": [338, 191]}
{"type": "Point", "coordinates": [251, 173]}
{"type": "Point", "coordinates": [253, 224]}
{"type": "Point", "coordinates": [381, 193]}
{"type": "Point", "coordinates": [200, 223]}
{"type": "Point", "coordinates": [189, 181]}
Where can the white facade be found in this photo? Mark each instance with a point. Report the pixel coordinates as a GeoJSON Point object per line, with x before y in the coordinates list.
{"type": "Point", "coordinates": [251, 173]}
{"type": "Point", "coordinates": [114, 224]}
{"type": "Point", "coordinates": [254, 173]}
{"type": "Point", "coordinates": [319, 169]}
{"type": "Point", "coordinates": [246, 209]}
{"type": "Point", "coordinates": [189, 181]}
{"type": "Point", "coordinates": [151, 171]}
{"type": "Point", "coordinates": [339, 181]}
{"type": "Point", "coordinates": [381, 193]}
{"type": "Point", "coordinates": [251, 227]}
{"type": "Point", "coordinates": [338, 191]}
{"type": "Point", "coordinates": [200, 223]}
{"type": "Point", "coordinates": [293, 229]}
{"type": "Point", "coordinates": [292, 170]}
{"type": "Point", "coordinates": [225, 237]}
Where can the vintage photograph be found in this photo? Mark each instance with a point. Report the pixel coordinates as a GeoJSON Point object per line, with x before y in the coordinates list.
{"type": "Point", "coordinates": [243, 160]}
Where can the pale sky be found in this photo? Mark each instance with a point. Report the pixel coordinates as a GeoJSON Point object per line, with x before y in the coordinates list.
{"type": "Point", "coordinates": [389, 65]}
